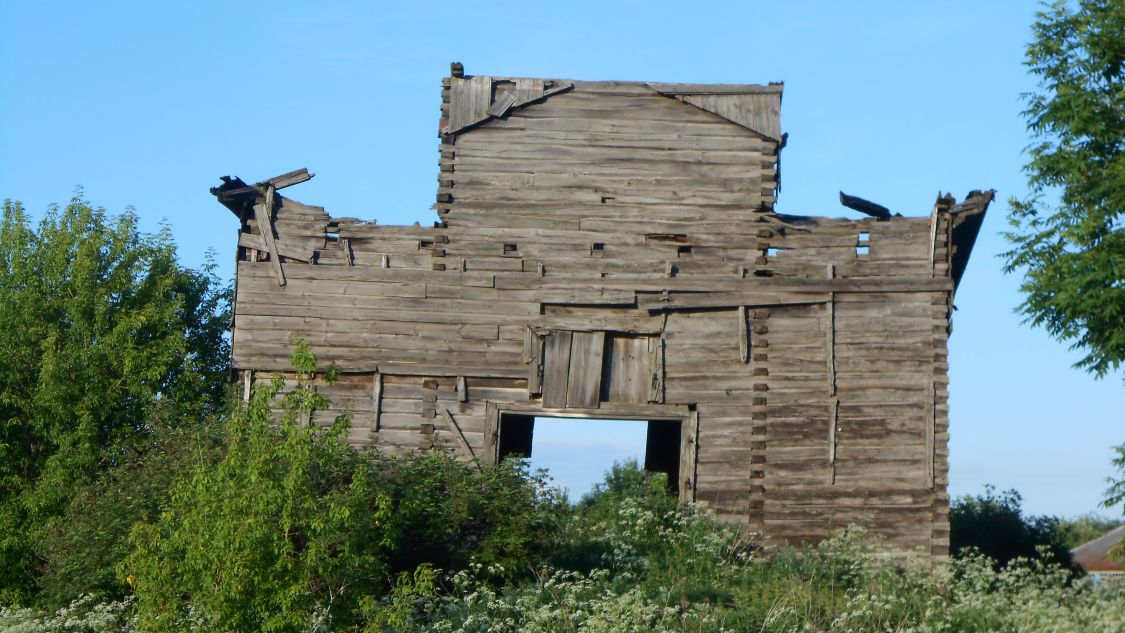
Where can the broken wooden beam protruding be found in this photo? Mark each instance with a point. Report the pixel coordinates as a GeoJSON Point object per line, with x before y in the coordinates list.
{"type": "Point", "coordinates": [288, 179]}
{"type": "Point", "coordinates": [865, 206]}
{"type": "Point", "coordinates": [263, 214]}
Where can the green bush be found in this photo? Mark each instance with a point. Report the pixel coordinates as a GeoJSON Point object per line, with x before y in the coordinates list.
{"type": "Point", "coordinates": [665, 568]}
{"type": "Point", "coordinates": [82, 548]}
{"type": "Point", "coordinates": [291, 526]}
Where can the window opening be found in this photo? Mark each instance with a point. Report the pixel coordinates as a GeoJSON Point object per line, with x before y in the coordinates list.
{"type": "Point", "coordinates": [578, 452]}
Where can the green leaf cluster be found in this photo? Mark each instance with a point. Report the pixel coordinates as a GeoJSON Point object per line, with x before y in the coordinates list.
{"type": "Point", "coordinates": [1073, 251]}
{"type": "Point", "coordinates": [291, 525]}
{"type": "Point", "coordinates": [100, 327]}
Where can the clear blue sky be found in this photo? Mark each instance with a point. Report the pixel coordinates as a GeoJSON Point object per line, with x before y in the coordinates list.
{"type": "Point", "coordinates": [147, 104]}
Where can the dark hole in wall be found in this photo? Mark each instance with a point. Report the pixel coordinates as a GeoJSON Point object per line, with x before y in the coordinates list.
{"type": "Point", "coordinates": [662, 450]}
{"type": "Point", "coordinates": [516, 432]}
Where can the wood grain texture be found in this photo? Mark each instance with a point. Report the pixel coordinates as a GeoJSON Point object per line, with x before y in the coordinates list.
{"type": "Point", "coordinates": [610, 250]}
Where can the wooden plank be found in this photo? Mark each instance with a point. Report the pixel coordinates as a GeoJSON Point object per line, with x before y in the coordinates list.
{"type": "Point", "coordinates": [641, 323]}
{"type": "Point", "coordinates": [752, 298]}
{"type": "Point", "coordinates": [830, 333]}
{"type": "Point", "coordinates": [689, 453]}
{"type": "Point", "coordinates": [833, 421]}
{"type": "Point", "coordinates": [656, 362]}
{"type": "Point", "coordinates": [262, 214]}
{"type": "Point", "coordinates": [584, 383]}
{"type": "Point", "coordinates": [376, 398]}
{"type": "Point", "coordinates": [502, 104]}
{"type": "Point", "coordinates": [295, 177]}
{"type": "Point", "coordinates": [628, 369]}
{"type": "Point", "coordinates": [716, 89]}
{"type": "Point", "coordinates": [247, 383]}
{"type": "Point", "coordinates": [535, 366]}
{"type": "Point", "coordinates": [458, 436]}
{"type": "Point", "coordinates": [556, 369]}
{"type": "Point", "coordinates": [462, 390]}
{"type": "Point", "coordinates": [743, 335]}
{"type": "Point", "coordinates": [931, 431]}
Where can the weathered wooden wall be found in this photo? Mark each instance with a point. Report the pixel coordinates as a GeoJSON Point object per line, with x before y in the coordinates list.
{"type": "Point", "coordinates": [610, 249]}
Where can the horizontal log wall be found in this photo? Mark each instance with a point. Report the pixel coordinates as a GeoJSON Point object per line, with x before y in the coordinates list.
{"type": "Point", "coordinates": [811, 350]}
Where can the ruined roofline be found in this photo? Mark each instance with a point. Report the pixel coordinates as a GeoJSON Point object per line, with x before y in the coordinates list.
{"type": "Point", "coordinates": [237, 196]}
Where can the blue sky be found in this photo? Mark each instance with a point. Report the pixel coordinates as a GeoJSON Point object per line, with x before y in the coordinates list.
{"type": "Point", "coordinates": [147, 104]}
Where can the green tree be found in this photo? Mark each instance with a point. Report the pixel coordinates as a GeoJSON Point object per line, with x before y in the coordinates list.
{"type": "Point", "coordinates": [291, 525]}
{"type": "Point", "coordinates": [99, 327]}
{"type": "Point", "coordinates": [994, 525]}
{"type": "Point", "coordinates": [1073, 250]}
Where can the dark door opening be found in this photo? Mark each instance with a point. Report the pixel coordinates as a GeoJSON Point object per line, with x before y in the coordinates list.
{"type": "Point", "coordinates": [661, 445]}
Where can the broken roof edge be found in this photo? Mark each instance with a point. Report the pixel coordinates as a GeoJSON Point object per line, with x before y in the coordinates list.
{"type": "Point", "coordinates": [966, 219]}
{"type": "Point", "coordinates": [234, 193]}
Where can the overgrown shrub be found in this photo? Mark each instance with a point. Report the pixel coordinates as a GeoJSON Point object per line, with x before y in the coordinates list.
{"type": "Point", "coordinates": [83, 547]}
{"type": "Point", "coordinates": [664, 569]}
{"type": "Point", "coordinates": [292, 526]}
{"type": "Point", "coordinates": [707, 578]}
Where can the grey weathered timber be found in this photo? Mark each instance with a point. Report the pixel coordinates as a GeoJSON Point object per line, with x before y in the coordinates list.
{"type": "Point", "coordinates": [611, 250]}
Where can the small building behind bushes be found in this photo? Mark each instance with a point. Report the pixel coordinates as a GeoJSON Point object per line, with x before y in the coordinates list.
{"type": "Point", "coordinates": [611, 250]}
{"type": "Point", "coordinates": [1097, 556]}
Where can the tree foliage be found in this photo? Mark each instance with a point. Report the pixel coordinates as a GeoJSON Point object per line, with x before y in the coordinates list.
{"type": "Point", "coordinates": [1073, 251]}
{"type": "Point", "coordinates": [100, 326]}
{"type": "Point", "coordinates": [994, 525]}
{"type": "Point", "coordinates": [292, 526]}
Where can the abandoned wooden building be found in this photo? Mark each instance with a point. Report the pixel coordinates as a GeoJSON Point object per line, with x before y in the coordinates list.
{"type": "Point", "coordinates": [611, 250]}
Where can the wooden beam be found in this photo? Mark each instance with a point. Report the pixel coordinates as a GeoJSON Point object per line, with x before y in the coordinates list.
{"type": "Point", "coordinates": [865, 207]}
{"type": "Point", "coordinates": [743, 335]}
{"type": "Point", "coordinates": [689, 456]}
{"type": "Point", "coordinates": [535, 365]}
{"type": "Point", "coordinates": [830, 333]}
{"type": "Point", "coordinates": [295, 177]}
{"type": "Point", "coordinates": [656, 385]}
{"type": "Point", "coordinates": [263, 214]}
{"type": "Point", "coordinates": [833, 421]}
{"type": "Point", "coordinates": [690, 300]}
{"type": "Point", "coordinates": [502, 104]}
{"type": "Point", "coordinates": [584, 382]}
{"type": "Point", "coordinates": [458, 435]}
{"type": "Point", "coordinates": [716, 89]}
{"type": "Point", "coordinates": [931, 430]}
{"type": "Point", "coordinates": [376, 399]}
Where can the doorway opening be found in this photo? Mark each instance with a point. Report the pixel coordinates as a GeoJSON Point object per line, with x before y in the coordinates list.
{"type": "Point", "coordinates": [579, 451]}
